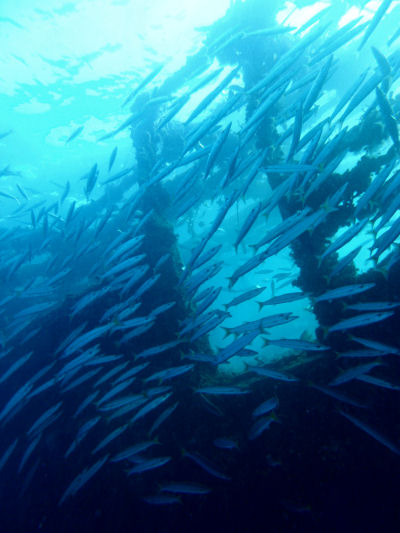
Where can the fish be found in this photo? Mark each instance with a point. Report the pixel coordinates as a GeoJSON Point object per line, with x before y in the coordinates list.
{"type": "Point", "coordinates": [316, 87]}
{"type": "Point", "coordinates": [88, 299]}
{"type": "Point", "coordinates": [205, 80]}
{"type": "Point", "coordinates": [216, 148]}
{"type": "Point", "coordinates": [169, 373]}
{"type": "Point", "coordinates": [343, 263]}
{"type": "Point", "coordinates": [261, 425]}
{"type": "Point", "coordinates": [4, 134]}
{"type": "Point", "coordinates": [385, 240]}
{"type": "Point", "coordinates": [387, 115]}
{"type": "Point", "coordinates": [302, 226]}
{"type": "Point", "coordinates": [66, 191]}
{"type": "Point", "coordinates": [361, 94]}
{"type": "Point", "coordinates": [324, 175]}
{"type": "Point", "coordinates": [81, 479]}
{"type": "Point", "coordinates": [7, 195]}
{"type": "Point", "coordinates": [282, 65]}
{"type": "Point", "coordinates": [248, 223]}
{"type": "Point", "coordinates": [131, 372]}
{"type": "Point", "coordinates": [22, 192]}
{"type": "Point", "coordinates": [206, 256]}
{"type": "Point", "coordinates": [110, 437]}
{"type": "Point", "coordinates": [208, 124]}
{"type": "Point", "coordinates": [46, 418]}
{"type": "Point", "coordinates": [261, 324]}
{"type": "Point", "coordinates": [373, 306]}
{"type": "Point", "coordinates": [162, 417]}
{"type": "Point", "coordinates": [340, 38]}
{"type": "Point", "coordinates": [124, 265]}
{"type": "Point", "coordinates": [247, 267]}
{"type": "Point", "coordinates": [345, 291]}
{"type": "Point", "coordinates": [184, 488]}
{"type": "Point", "coordinates": [81, 379]}
{"type": "Point", "coordinates": [155, 350]}
{"type": "Point", "coordinates": [360, 321]}
{"type": "Point", "coordinates": [376, 345]}
{"type": "Point", "coordinates": [28, 452]}
{"type": "Point", "coordinates": [91, 179]}
{"type": "Point", "coordinates": [298, 124]}
{"type": "Point", "coordinates": [265, 407]}
{"type": "Point", "coordinates": [7, 454]}
{"type": "Point", "coordinates": [296, 344]}
{"type": "Point", "coordinates": [371, 432]}
{"type": "Point", "coordinates": [118, 175]}
{"type": "Point", "coordinates": [84, 339]}
{"type": "Point", "coordinates": [394, 37]}
{"type": "Point", "coordinates": [150, 406]}
{"type": "Point", "coordinates": [226, 443]}
{"type": "Point", "coordinates": [15, 366]}
{"type": "Point", "coordinates": [283, 299]}
{"type": "Point", "coordinates": [123, 406]}
{"type": "Point", "coordinates": [174, 110]}
{"type": "Point", "coordinates": [209, 300]}
{"type": "Point", "coordinates": [13, 22]}
{"type": "Point", "coordinates": [72, 336]}
{"type": "Point", "coordinates": [115, 390]}
{"type": "Point", "coordinates": [162, 499]}
{"type": "Point", "coordinates": [221, 390]}
{"type": "Point", "coordinates": [343, 239]}
{"type": "Point", "coordinates": [113, 156]}
{"type": "Point", "coordinates": [263, 109]}
{"type": "Point", "coordinates": [206, 465]}
{"type": "Point", "coordinates": [86, 402]}
{"type": "Point", "coordinates": [212, 95]}
{"type": "Point", "coordinates": [235, 347]}
{"type": "Point", "coordinates": [149, 464]}
{"type": "Point", "coordinates": [353, 372]}
{"type": "Point", "coordinates": [382, 62]}
{"type": "Point", "coordinates": [378, 382]}
{"type": "Point", "coordinates": [15, 399]}
{"type": "Point", "coordinates": [348, 94]}
{"type": "Point", "coordinates": [379, 14]}
{"type": "Point", "coordinates": [244, 297]}
{"type": "Point", "coordinates": [269, 373]}
{"type": "Point", "coordinates": [312, 20]}
{"type": "Point", "coordinates": [74, 134]}
{"type": "Point", "coordinates": [361, 353]}
{"type": "Point", "coordinates": [337, 395]}
{"type": "Point", "coordinates": [143, 84]}
{"type": "Point", "coordinates": [387, 215]}
{"type": "Point", "coordinates": [280, 228]}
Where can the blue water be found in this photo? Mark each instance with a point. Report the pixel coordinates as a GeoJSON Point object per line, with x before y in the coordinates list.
{"type": "Point", "coordinates": [137, 192]}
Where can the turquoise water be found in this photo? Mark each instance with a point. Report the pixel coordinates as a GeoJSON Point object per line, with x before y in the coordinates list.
{"type": "Point", "coordinates": [199, 266]}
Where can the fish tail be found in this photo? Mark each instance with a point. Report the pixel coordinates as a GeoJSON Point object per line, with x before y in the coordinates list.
{"type": "Point", "coordinates": [227, 332]}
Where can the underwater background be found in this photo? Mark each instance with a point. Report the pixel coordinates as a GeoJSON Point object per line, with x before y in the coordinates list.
{"type": "Point", "coordinates": [199, 223]}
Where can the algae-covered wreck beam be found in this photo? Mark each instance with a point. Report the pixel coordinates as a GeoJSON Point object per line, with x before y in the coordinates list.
{"type": "Point", "coordinates": [258, 54]}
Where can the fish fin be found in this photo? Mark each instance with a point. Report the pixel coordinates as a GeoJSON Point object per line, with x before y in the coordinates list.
{"type": "Point", "coordinates": [275, 417]}
{"type": "Point", "coordinates": [227, 332]}
{"type": "Point", "coordinates": [265, 341]}
{"type": "Point", "coordinates": [254, 248]}
{"type": "Point", "coordinates": [231, 282]}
